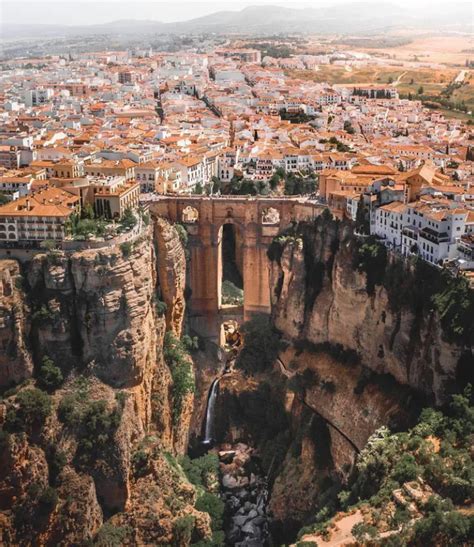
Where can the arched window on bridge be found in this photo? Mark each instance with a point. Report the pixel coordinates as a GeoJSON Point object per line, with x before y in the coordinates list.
{"type": "Point", "coordinates": [190, 215]}
{"type": "Point", "coordinates": [270, 215]}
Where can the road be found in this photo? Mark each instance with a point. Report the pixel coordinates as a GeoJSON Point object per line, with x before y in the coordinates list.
{"type": "Point", "coordinates": [460, 77]}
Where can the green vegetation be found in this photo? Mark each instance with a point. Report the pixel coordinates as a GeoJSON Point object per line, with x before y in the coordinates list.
{"type": "Point", "coordinates": [85, 227]}
{"type": "Point", "coordinates": [270, 49]}
{"type": "Point", "coordinates": [378, 94]}
{"type": "Point", "coordinates": [160, 307]}
{"type": "Point", "coordinates": [261, 347]}
{"type": "Point", "coordinates": [93, 423]}
{"type": "Point", "coordinates": [50, 376]}
{"type": "Point", "coordinates": [295, 183]}
{"type": "Point", "coordinates": [436, 453]}
{"type": "Point", "coordinates": [421, 287]}
{"type": "Point", "coordinates": [126, 247]}
{"type": "Point", "coordinates": [182, 530]}
{"type": "Point", "coordinates": [182, 233]}
{"type": "Point", "coordinates": [128, 220]}
{"type": "Point", "coordinates": [231, 294]}
{"type": "Point", "coordinates": [28, 411]}
{"type": "Point", "coordinates": [371, 258]}
{"type": "Point", "coordinates": [177, 358]}
{"type": "Point", "coordinates": [111, 536]}
{"type": "Point", "coordinates": [203, 474]}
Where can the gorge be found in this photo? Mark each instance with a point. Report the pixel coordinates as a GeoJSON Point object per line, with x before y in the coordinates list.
{"type": "Point", "coordinates": [106, 386]}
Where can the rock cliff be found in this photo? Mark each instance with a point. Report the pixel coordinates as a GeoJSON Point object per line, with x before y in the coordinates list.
{"type": "Point", "coordinates": [366, 344]}
{"type": "Point", "coordinates": [319, 295]}
{"type": "Point", "coordinates": [90, 445]}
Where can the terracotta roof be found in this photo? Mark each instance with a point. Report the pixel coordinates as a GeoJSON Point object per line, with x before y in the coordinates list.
{"type": "Point", "coordinates": [50, 202]}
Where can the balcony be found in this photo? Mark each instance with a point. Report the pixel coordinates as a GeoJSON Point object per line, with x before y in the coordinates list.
{"type": "Point", "coordinates": [433, 236]}
{"type": "Point", "coordinates": [412, 233]}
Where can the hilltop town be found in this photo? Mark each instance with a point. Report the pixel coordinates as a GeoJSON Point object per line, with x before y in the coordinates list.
{"type": "Point", "coordinates": [85, 141]}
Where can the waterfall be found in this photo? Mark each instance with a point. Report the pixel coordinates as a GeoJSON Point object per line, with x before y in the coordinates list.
{"type": "Point", "coordinates": [211, 403]}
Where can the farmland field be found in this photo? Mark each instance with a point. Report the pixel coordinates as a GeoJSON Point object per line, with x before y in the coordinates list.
{"type": "Point", "coordinates": [450, 50]}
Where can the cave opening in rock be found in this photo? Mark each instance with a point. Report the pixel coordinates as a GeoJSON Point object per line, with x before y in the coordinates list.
{"type": "Point", "coordinates": [231, 258]}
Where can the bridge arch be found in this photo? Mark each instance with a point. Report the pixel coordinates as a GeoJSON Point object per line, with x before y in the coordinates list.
{"type": "Point", "coordinates": [189, 215]}
{"type": "Point", "coordinates": [254, 221]}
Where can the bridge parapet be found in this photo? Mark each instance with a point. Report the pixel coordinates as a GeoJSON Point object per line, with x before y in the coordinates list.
{"type": "Point", "coordinates": [257, 219]}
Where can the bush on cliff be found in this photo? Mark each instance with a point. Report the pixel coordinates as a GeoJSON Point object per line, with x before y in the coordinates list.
{"type": "Point", "coordinates": [371, 259]}
{"type": "Point", "coordinates": [93, 422]}
{"type": "Point", "coordinates": [50, 375]}
{"type": "Point", "coordinates": [203, 473]}
{"type": "Point", "coordinates": [30, 409]}
{"type": "Point", "coordinates": [177, 358]}
{"type": "Point", "coordinates": [262, 344]}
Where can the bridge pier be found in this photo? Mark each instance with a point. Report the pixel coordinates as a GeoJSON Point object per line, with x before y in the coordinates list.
{"type": "Point", "coordinates": [258, 220]}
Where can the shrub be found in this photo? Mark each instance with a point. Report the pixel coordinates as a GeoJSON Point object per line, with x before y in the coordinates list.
{"type": "Point", "coordinates": [371, 258]}
{"type": "Point", "coordinates": [160, 307]}
{"type": "Point", "coordinates": [50, 375]}
{"type": "Point", "coordinates": [182, 234]}
{"type": "Point", "coordinates": [363, 532]}
{"type": "Point", "coordinates": [328, 385]}
{"type": "Point", "coordinates": [126, 247]}
{"type": "Point", "coordinates": [261, 346]}
{"type": "Point", "coordinates": [98, 425]}
{"type": "Point", "coordinates": [32, 407]}
{"type": "Point", "coordinates": [182, 530]}
{"type": "Point", "coordinates": [111, 536]}
{"type": "Point", "coordinates": [128, 220]}
{"type": "Point", "coordinates": [140, 461]}
{"type": "Point", "coordinates": [68, 411]}
{"type": "Point", "coordinates": [200, 471]}
{"type": "Point", "coordinates": [231, 294]}
{"type": "Point", "coordinates": [212, 504]}
{"type": "Point", "coordinates": [47, 500]}
{"type": "Point", "coordinates": [56, 461]}
{"type": "Point", "coordinates": [182, 373]}
{"type": "Point", "coordinates": [406, 469]}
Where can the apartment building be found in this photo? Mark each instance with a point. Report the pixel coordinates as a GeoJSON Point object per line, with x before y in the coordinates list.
{"type": "Point", "coordinates": [38, 217]}
{"type": "Point", "coordinates": [113, 195]}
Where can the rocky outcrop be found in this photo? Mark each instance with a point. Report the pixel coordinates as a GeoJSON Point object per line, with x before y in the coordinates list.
{"type": "Point", "coordinates": [360, 356]}
{"type": "Point", "coordinates": [15, 361]}
{"type": "Point", "coordinates": [171, 261]}
{"type": "Point", "coordinates": [319, 296]}
{"type": "Point", "coordinates": [94, 315]}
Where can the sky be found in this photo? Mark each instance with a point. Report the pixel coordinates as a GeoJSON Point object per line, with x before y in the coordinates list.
{"type": "Point", "coordinates": [83, 12]}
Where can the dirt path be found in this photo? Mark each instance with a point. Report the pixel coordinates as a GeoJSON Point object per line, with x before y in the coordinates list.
{"type": "Point", "coordinates": [341, 534]}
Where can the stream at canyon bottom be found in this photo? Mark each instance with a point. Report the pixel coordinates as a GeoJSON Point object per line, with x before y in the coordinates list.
{"type": "Point", "coordinates": [243, 487]}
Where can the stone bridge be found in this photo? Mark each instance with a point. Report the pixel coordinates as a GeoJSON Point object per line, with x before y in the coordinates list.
{"type": "Point", "coordinates": [256, 221]}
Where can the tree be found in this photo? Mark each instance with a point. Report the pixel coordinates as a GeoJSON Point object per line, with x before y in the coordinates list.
{"type": "Point", "coordinates": [31, 408]}
{"type": "Point", "coordinates": [88, 211]}
{"type": "Point", "coordinates": [128, 220]}
{"type": "Point", "coordinates": [50, 375]}
{"type": "Point", "coordinates": [420, 90]}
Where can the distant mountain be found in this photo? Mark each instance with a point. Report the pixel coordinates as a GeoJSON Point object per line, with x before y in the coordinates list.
{"type": "Point", "coordinates": [354, 18]}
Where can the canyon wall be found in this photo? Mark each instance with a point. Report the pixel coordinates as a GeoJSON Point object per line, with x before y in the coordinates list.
{"type": "Point", "coordinates": [363, 352]}
{"type": "Point", "coordinates": [320, 296]}
{"type": "Point", "coordinates": [100, 448]}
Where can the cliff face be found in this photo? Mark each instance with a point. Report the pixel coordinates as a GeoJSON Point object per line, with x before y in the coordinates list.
{"type": "Point", "coordinates": [318, 296]}
{"type": "Point", "coordinates": [15, 360]}
{"type": "Point", "coordinates": [93, 314]}
{"type": "Point", "coordinates": [360, 354]}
